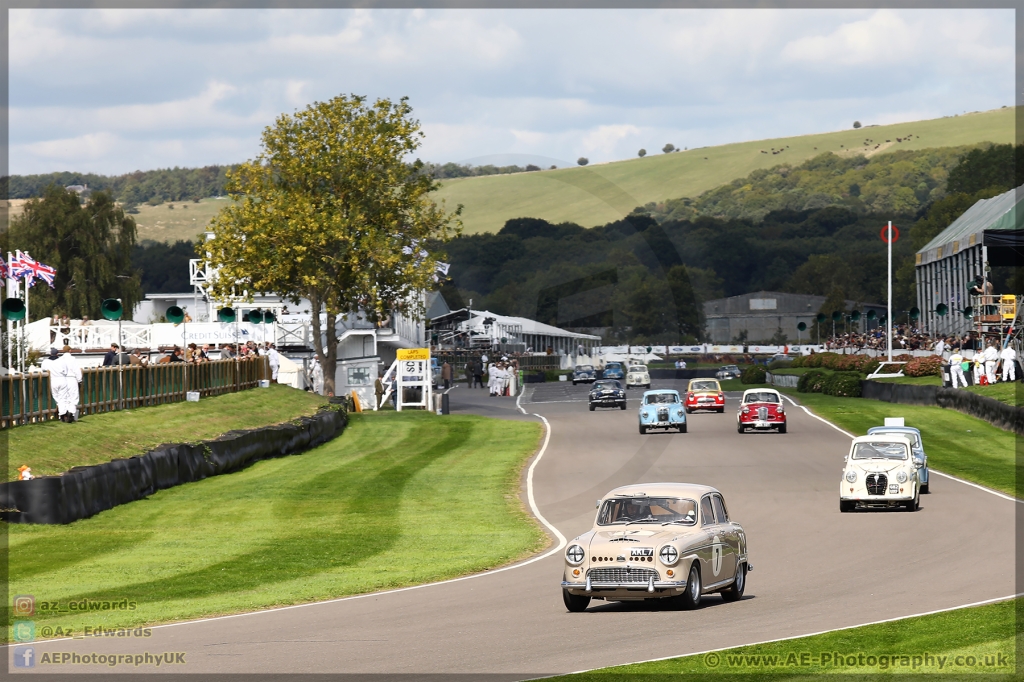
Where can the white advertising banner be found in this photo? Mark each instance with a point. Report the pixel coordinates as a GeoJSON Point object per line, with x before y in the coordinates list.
{"type": "Point", "coordinates": [766, 349]}
{"type": "Point", "coordinates": [166, 334]}
{"type": "Point", "coordinates": [660, 350]}
{"type": "Point", "coordinates": [688, 350]}
{"type": "Point", "coordinates": [725, 349]}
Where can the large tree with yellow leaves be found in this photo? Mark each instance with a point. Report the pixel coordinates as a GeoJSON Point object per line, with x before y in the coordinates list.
{"type": "Point", "coordinates": [330, 210]}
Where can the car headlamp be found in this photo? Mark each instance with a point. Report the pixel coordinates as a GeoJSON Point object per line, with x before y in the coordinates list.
{"type": "Point", "coordinates": [668, 555]}
{"type": "Point", "coordinates": [574, 555]}
{"type": "Point", "coordinates": [644, 413]}
{"type": "Point", "coordinates": [851, 476]}
{"type": "Point", "coordinates": [902, 477]}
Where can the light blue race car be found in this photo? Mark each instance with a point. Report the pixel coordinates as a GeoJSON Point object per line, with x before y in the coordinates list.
{"type": "Point", "coordinates": [914, 435]}
{"type": "Point", "coordinates": [662, 409]}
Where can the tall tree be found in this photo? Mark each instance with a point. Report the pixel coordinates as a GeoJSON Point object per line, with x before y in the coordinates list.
{"type": "Point", "coordinates": [90, 246]}
{"type": "Point", "coordinates": [330, 211]}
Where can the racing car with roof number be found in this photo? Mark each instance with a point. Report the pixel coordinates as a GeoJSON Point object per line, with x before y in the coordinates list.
{"type": "Point", "coordinates": [761, 409]}
{"type": "Point", "coordinates": [638, 376]}
{"type": "Point", "coordinates": [661, 409]}
{"type": "Point", "coordinates": [705, 394]}
{"type": "Point", "coordinates": [607, 393]}
{"type": "Point", "coordinates": [671, 541]}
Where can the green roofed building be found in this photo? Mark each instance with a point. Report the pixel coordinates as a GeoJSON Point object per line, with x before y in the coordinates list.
{"type": "Point", "coordinates": [990, 232]}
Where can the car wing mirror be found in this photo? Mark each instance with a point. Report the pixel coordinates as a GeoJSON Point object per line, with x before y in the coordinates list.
{"type": "Point", "coordinates": [599, 504]}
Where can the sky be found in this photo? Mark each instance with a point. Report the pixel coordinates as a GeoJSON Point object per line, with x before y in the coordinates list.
{"type": "Point", "coordinates": [113, 91]}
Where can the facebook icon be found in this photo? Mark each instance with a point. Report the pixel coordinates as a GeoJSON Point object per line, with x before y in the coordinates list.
{"type": "Point", "coordinates": [24, 657]}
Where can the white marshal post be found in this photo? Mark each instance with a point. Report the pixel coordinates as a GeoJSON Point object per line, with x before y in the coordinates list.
{"type": "Point", "coordinates": [888, 236]}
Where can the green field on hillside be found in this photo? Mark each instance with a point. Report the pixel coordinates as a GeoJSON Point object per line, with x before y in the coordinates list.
{"type": "Point", "coordinates": [602, 193]}
{"type": "Point", "coordinates": [397, 499]}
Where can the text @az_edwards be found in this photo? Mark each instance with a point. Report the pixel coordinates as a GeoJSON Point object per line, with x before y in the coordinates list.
{"type": "Point", "coordinates": [26, 657]}
{"type": "Point", "coordinates": [991, 661]}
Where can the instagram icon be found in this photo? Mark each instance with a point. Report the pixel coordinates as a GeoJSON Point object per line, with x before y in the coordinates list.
{"type": "Point", "coordinates": [24, 605]}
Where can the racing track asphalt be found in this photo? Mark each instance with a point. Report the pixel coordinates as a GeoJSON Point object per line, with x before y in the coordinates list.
{"type": "Point", "coordinates": [814, 568]}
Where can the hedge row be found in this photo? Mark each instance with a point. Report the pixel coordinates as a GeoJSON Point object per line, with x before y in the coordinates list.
{"type": "Point", "coordinates": [842, 384]}
{"type": "Point", "coordinates": [754, 374]}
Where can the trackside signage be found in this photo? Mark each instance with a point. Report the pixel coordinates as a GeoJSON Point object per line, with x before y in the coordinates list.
{"type": "Point", "coordinates": [414, 354]}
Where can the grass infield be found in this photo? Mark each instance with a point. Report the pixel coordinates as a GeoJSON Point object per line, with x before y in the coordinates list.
{"type": "Point", "coordinates": [54, 447]}
{"type": "Point", "coordinates": [398, 499]}
{"type": "Point", "coordinates": [973, 640]}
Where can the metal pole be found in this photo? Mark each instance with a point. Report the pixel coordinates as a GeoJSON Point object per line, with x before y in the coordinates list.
{"type": "Point", "coordinates": [120, 365]}
{"type": "Point", "coordinates": [888, 314]}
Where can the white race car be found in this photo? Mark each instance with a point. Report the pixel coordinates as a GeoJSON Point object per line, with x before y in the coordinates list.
{"type": "Point", "coordinates": [880, 472]}
{"type": "Point", "coordinates": [637, 375]}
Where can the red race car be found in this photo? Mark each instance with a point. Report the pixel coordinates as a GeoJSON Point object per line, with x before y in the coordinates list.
{"type": "Point", "coordinates": [704, 394]}
{"type": "Point", "coordinates": [761, 409]}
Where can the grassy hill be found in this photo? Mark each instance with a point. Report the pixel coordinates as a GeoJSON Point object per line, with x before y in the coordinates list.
{"type": "Point", "coordinates": [187, 220]}
{"type": "Point", "coordinates": [598, 194]}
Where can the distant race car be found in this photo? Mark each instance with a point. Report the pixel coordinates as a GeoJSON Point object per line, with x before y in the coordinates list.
{"type": "Point", "coordinates": [671, 541]}
{"type": "Point", "coordinates": [705, 394]}
{"type": "Point", "coordinates": [662, 409]}
{"type": "Point", "coordinates": [880, 472]}
{"type": "Point", "coordinates": [584, 374]}
{"type": "Point", "coordinates": [914, 436]}
{"type": "Point", "coordinates": [761, 409]}
{"type": "Point", "coordinates": [728, 372]}
{"type": "Point", "coordinates": [613, 370]}
{"type": "Point", "coordinates": [638, 376]}
{"type": "Point", "coordinates": [607, 393]}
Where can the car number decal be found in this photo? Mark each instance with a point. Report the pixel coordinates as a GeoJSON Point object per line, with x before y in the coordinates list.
{"type": "Point", "coordinates": [641, 551]}
{"type": "Point", "coordinates": [716, 557]}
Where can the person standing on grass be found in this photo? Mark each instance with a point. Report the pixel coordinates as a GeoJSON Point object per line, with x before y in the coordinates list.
{"type": "Point", "coordinates": [378, 390]}
{"type": "Point", "coordinates": [56, 382]}
{"type": "Point", "coordinates": [991, 356]}
{"type": "Point", "coordinates": [70, 375]}
{"type": "Point", "coordinates": [275, 362]}
{"type": "Point", "coordinates": [1009, 357]}
{"type": "Point", "coordinates": [956, 369]}
{"type": "Point", "coordinates": [316, 375]}
{"type": "Point", "coordinates": [979, 367]}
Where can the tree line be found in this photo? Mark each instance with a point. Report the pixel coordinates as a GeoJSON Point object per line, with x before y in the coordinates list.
{"type": "Point", "coordinates": [646, 279]}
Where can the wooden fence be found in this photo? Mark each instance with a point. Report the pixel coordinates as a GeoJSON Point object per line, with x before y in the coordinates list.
{"type": "Point", "coordinates": [25, 398]}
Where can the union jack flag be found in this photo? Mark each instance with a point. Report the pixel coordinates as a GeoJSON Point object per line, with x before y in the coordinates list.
{"type": "Point", "coordinates": [5, 273]}
{"type": "Point", "coordinates": [23, 265]}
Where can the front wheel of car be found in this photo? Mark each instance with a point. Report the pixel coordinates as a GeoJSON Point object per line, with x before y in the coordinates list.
{"type": "Point", "coordinates": [574, 383]}
{"type": "Point", "coordinates": [925, 489]}
{"type": "Point", "coordinates": [913, 505]}
{"type": "Point", "coordinates": [622, 406]}
{"type": "Point", "coordinates": [643, 430]}
{"type": "Point", "coordinates": [740, 429]}
{"type": "Point", "coordinates": [690, 599]}
{"type": "Point", "coordinates": [721, 410]}
{"type": "Point", "coordinates": [688, 410]}
{"type": "Point", "coordinates": [735, 592]}
{"type": "Point", "coordinates": [591, 407]}
{"type": "Point", "coordinates": [576, 603]}
{"type": "Point", "coordinates": [847, 505]}
{"type": "Point", "coordinates": [782, 428]}
{"type": "Point", "coordinates": [682, 428]}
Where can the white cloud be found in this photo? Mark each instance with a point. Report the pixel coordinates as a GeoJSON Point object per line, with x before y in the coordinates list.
{"type": "Point", "coordinates": [122, 87]}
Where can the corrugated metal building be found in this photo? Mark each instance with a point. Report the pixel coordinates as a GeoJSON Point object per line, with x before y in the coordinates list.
{"type": "Point", "coordinates": [948, 264]}
{"type": "Point", "coordinates": [763, 314]}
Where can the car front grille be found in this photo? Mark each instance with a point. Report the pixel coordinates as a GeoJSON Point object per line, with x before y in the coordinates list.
{"type": "Point", "coordinates": [762, 413]}
{"type": "Point", "coordinates": [663, 415]}
{"type": "Point", "coordinates": [876, 484]}
{"type": "Point", "coordinates": [621, 575]}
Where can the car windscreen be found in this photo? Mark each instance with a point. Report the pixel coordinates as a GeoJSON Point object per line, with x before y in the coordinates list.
{"type": "Point", "coordinates": [584, 368]}
{"type": "Point", "coordinates": [623, 510]}
{"type": "Point", "coordinates": [704, 386]}
{"type": "Point", "coordinates": [909, 435]}
{"type": "Point", "coordinates": [732, 368]}
{"type": "Point", "coordinates": [661, 398]}
{"type": "Point", "coordinates": [880, 451]}
{"type": "Point", "coordinates": [761, 397]}
{"type": "Point", "coordinates": [606, 385]}
{"type": "Point", "coordinates": [637, 368]}
{"type": "Point", "coordinates": [613, 365]}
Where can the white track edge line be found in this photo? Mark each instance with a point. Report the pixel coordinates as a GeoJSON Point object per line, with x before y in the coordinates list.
{"type": "Point", "coordinates": [533, 507]}
{"type": "Point", "coordinates": [787, 639]}
{"type": "Point", "coordinates": [930, 470]}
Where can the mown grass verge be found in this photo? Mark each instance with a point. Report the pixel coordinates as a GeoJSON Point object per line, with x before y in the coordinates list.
{"type": "Point", "coordinates": [54, 447]}
{"type": "Point", "coordinates": [973, 640]}
{"type": "Point", "coordinates": [956, 443]}
{"type": "Point", "coordinates": [398, 499]}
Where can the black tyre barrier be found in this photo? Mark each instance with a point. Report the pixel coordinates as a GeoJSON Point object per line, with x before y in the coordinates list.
{"type": "Point", "coordinates": [85, 491]}
{"type": "Point", "coordinates": [995, 412]}
{"type": "Point", "coordinates": [682, 373]}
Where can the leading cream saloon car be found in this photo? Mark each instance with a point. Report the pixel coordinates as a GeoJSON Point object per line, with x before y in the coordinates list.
{"type": "Point", "coordinates": [880, 471]}
{"type": "Point", "coordinates": [670, 541]}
